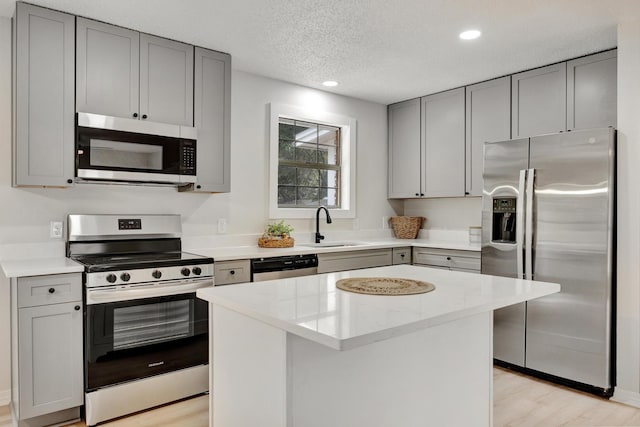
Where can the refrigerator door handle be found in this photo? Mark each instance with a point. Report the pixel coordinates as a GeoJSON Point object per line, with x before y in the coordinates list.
{"type": "Point", "coordinates": [528, 244]}
{"type": "Point", "coordinates": [520, 223]}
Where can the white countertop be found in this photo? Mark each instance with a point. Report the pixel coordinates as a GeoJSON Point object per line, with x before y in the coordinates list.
{"type": "Point", "coordinates": [312, 307]}
{"type": "Point", "coordinates": [247, 252]}
{"type": "Point", "coordinates": [40, 267]}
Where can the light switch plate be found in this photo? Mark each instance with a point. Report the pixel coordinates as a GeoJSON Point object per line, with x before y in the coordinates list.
{"type": "Point", "coordinates": [385, 222]}
{"type": "Point", "coordinates": [222, 225]}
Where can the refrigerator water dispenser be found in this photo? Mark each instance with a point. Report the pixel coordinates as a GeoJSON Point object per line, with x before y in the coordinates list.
{"type": "Point", "coordinates": [504, 220]}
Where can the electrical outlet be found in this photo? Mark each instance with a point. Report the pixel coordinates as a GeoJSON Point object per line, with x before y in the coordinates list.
{"type": "Point", "coordinates": [385, 222]}
{"type": "Point", "coordinates": [222, 225]}
{"type": "Point", "coordinates": [55, 230]}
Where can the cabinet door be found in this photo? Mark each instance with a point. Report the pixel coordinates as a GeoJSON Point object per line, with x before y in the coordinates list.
{"type": "Point", "coordinates": [592, 91]}
{"type": "Point", "coordinates": [44, 113]}
{"type": "Point", "coordinates": [488, 119]}
{"type": "Point", "coordinates": [212, 119]}
{"type": "Point", "coordinates": [539, 101]}
{"type": "Point", "coordinates": [107, 66]}
{"type": "Point", "coordinates": [50, 358]}
{"type": "Point", "coordinates": [166, 81]}
{"type": "Point", "coordinates": [443, 141]}
{"type": "Point", "coordinates": [404, 149]}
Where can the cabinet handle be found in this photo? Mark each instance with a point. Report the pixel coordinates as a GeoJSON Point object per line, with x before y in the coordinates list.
{"type": "Point", "coordinates": [401, 255]}
{"type": "Point", "coordinates": [144, 116]}
{"type": "Point", "coordinates": [76, 308]}
{"type": "Point", "coordinates": [422, 194]}
{"type": "Point", "coordinates": [135, 114]}
{"type": "Point", "coordinates": [52, 290]}
{"type": "Point", "coordinates": [232, 272]}
{"type": "Point", "coordinates": [466, 193]}
{"type": "Point", "coordinates": [69, 181]}
{"type": "Point", "coordinates": [448, 258]}
{"type": "Point", "coordinates": [198, 186]}
{"type": "Point", "coordinates": [417, 194]}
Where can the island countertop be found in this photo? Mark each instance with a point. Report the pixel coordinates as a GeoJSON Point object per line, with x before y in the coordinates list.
{"type": "Point", "coordinates": [311, 307]}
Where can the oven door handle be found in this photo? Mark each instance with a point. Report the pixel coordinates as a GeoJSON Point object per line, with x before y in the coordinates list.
{"type": "Point", "coordinates": [145, 290]}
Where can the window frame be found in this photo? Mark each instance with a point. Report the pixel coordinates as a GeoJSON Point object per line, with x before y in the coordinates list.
{"type": "Point", "coordinates": [348, 139]}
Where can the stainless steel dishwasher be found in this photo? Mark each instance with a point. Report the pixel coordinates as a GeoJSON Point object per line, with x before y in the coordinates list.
{"type": "Point", "coordinates": [281, 267]}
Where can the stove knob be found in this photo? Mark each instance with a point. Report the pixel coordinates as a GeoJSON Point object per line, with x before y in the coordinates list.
{"type": "Point", "coordinates": [157, 274]}
{"type": "Point", "coordinates": [111, 278]}
{"type": "Point", "coordinates": [197, 271]}
{"type": "Point", "coordinates": [185, 271]}
{"type": "Point", "coordinates": [125, 277]}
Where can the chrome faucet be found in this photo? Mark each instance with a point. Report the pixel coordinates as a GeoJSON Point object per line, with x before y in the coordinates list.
{"type": "Point", "coordinates": [318, 235]}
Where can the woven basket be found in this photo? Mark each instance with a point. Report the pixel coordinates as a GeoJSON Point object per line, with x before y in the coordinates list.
{"type": "Point", "coordinates": [267, 242]}
{"type": "Point", "coordinates": [406, 227]}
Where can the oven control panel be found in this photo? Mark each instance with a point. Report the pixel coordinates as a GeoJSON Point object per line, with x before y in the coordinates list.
{"type": "Point", "coordinates": [130, 224]}
{"type": "Point", "coordinates": [149, 275]}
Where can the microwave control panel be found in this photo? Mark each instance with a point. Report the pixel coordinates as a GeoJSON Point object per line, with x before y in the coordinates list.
{"type": "Point", "coordinates": [188, 158]}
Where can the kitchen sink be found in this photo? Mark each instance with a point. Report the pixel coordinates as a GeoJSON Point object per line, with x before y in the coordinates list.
{"type": "Point", "coordinates": [332, 244]}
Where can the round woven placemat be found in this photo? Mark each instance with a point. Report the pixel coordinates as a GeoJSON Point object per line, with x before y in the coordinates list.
{"type": "Point", "coordinates": [384, 286]}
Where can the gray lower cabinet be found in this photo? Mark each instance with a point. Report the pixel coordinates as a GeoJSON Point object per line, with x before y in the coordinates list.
{"type": "Point", "coordinates": [539, 101]}
{"type": "Point", "coordinates": [488, 118]}
{"type": "Point", "coordinates": [43, 101]}
{"type": "Point", "coordinates": [448, 259]}
{"type": "Point", "coordinates": [47, 358]}
{"type": "Point", "coordinates": [402, 255]}
{"type": "Point", "coordinates": [230, 272]}
{"type": "Point", "coordinates": [443, 142]}
{"type": "Point", "coordinates": [353, 260]}
{"type": "Point", "coordinates": [404, 150]}
{"type": "Point", "coordinates": [212, 118]}
{"type": "Point", "coordinates": [123, 73]}
{"type": "Point", "coordinates": [592, 91]}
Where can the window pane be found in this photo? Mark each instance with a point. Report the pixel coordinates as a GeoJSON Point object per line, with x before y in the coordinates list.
{"type": "Point", "coordinates": [287, 129]}
{"type": "Point", "coordinates": [308, 177]}
{"type": "Point", "coordinates": [306, 152]}
{"type": "Point", "coordinates": [328, 135]}
{"type": "Point", "coordinates": [307, 132]}
{"type": "Point", "coordinates": [286, 150]}
{"type": "Point", "coordinates": [286, 175]}
{"type": "Point", "coordinates": [328, 178]}
{"type": "Point", "coordinates": [332, 197]}
{"type": "Point", "coordinates": [307, 196]}
{"type": "Point", "coordinates": [328, 155]}
{"type": "Point", "coordinates": [286, 195]}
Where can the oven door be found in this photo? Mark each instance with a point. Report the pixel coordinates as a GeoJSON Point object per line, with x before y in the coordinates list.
{"type": "Point", "coordinates": [132, 339]}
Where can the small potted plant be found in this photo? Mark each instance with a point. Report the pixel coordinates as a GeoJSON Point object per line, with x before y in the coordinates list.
{"type": "Point", "coordinates": [277, 235]}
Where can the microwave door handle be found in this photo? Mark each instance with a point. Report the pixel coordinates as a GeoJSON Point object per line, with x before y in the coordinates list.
{"type": "Point", "coordinates": [520, 223]}
{"type": "Point", "coordinates": [528, 244]}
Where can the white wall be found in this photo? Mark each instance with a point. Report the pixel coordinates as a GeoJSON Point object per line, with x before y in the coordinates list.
{"type": "Point", "coordinates": [628, 329]}
{"type": "Point", "coordinates": [25, 213]}
{"type": "Point", "coordinates": [447, 213]}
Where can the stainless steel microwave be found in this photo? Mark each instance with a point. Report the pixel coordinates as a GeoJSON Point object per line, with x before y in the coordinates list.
{"type": "Point", "coordinates": [134, 151]}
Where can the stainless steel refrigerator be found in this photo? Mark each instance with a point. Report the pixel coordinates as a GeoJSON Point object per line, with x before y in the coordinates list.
{"type": "Point", "coordinates": [548, 214]}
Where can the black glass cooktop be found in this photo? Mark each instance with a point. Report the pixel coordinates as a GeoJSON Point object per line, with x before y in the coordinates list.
{"type": "Point", "coordinates": [101, 262]}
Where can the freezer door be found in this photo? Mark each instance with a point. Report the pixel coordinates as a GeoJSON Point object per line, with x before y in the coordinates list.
{"type": "Point", "coordinates": [568, 333]}
{"type": "Point", "coordinates": [503, 162]}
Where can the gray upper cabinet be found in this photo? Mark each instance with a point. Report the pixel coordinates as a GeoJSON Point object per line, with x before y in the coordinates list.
{"type": "Point", "coordinates": [43, 83]}
{"type": "Point", "coordinates": [539, 101]}
{"type": "Point", "coordinates": [212, 118]}
{"type": "Point", "coordinates": [123, 73]}
{"type": "Point", "coordinates": [488, 118]}
{"type": "Point", "coordinates": [166, 81]}
{"type": "Point", "coordinates": [107, 68]}
{"type": "Point", "coordinates": [443, 142]}
{"type": "Point", "coordinates": [404, 149]}
{"type": "Point", "coordinates": [592, 91]}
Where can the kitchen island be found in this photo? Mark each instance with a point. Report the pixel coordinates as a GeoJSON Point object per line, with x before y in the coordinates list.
{"type": "Point", "coordinates": [300, 353]}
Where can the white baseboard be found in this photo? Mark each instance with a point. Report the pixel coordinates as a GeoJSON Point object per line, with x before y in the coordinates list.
{"type": "Point", "coordinates": [5, 397]}
{"type": "Point", "coordinates": [630, 398]}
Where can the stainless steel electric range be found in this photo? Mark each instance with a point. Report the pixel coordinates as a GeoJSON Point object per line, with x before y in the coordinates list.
{"type": "Point", "coordinates": [146, 333]}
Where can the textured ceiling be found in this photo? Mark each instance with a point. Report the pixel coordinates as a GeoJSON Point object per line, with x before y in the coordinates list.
{"type": "Point", "coordinates": [379, 50]}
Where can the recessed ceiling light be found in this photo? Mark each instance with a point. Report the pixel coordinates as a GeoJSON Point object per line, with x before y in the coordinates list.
{"type": "Point", "coordinates": [330, 83]}
{"type": "Point", "coordinates": [470, 34]}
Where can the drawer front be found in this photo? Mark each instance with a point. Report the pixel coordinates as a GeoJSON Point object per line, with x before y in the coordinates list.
{"type": "Point", "coordinates": [341, 261]}
{"type": "Point", "coordinates": [401, 255]}
{"type": "Point", "coordinates": [229, 272]}
{"type": "Point", "coordinates": [53, 289]}
{"type": "Point", "coordinates": [455, 260]}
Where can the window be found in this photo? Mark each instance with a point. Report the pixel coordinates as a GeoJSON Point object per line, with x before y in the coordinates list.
{"type": "Point", "coordinates": [308, 164]}
{"type": "Point", "coordinates": [312, 163]}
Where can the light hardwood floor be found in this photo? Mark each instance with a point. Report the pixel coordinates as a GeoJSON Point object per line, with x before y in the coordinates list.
{"type": "Point", "coordinates": [519, 401]}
